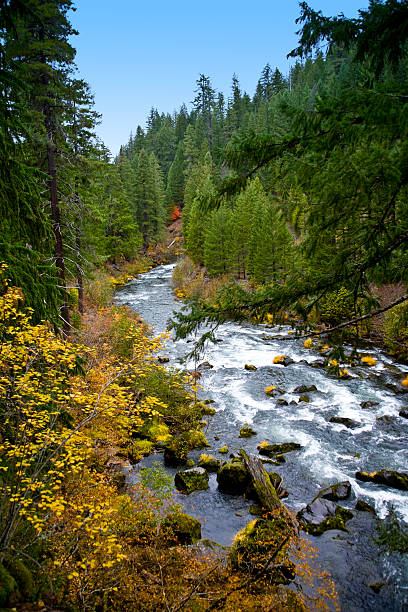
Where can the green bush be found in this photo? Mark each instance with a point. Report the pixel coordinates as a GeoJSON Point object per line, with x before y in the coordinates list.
{"type": "Point", "coordinates": [337, 306]}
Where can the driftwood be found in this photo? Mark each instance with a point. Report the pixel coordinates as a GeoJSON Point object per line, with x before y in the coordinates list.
{"type": "Point", "coordinates": [260, 479]}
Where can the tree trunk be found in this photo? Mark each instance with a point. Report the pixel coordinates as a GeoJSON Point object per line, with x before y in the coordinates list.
{"type": "Point", "coordinates": [262, 484]}
{"type": "Point", "coordinates": [56, 217]}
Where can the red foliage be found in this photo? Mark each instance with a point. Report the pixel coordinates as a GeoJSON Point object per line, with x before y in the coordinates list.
{"type": "Point", "coordinates": [176, 214]}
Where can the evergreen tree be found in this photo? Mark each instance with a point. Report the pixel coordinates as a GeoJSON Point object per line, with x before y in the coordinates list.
{"type": "Point", "coordinates": [218, 242]}
{"type": "Point", "coordinates": [175, 181]}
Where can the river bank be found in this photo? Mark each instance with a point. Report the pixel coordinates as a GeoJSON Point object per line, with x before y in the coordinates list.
{"type": "Point", "coordinates": [331, 452]}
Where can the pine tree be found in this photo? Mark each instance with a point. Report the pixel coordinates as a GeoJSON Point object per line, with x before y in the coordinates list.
{"type": "Point", "coordinates": [175, 181]}
{"type": "Point", "coordinates": [218, 242]}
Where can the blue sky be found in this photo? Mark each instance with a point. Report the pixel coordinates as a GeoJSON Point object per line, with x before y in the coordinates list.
{"type": "Point", "coordinates": [136, 54]}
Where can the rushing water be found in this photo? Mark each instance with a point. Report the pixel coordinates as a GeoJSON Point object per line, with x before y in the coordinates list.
{"type": "Point", "coordinates": [331, 452]}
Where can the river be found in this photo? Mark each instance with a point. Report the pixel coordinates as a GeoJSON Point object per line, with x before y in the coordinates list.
{"type": "Point", "coordinates": [330, 451]}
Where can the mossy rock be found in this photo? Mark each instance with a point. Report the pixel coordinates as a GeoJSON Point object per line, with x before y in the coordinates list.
{"type": "Point", "coordinates": [270, 450]}
{"type": "Point", "coordinates": [196, 439]}
{"type": "Point", "coordinates": [363, 506]}
{"type": "Point", "coordinates": [259, 540]}
{"type": "Point", "coordinates": [208, 410]}
{"type": "Point", "coordinates": [344, 421]}
{"type": "Point", "coordinates": [304, 389]}
{"type": "Point", "coordinates": [208, 401]}
{"type": "Point", "coordinates": [250, 367]}
{"type": "Point", "coordinates": [181, 528]}
{"type": "Point", "coordinates": [193, 479]}
{"type": "Point", "coordinates": [209, 463]}
{"type": "Point", "coordinates": [233, 478]}
{"type": "Point", "coordinates": [139, 449]}
{"type": "Point", "coordinates": [190, 463]}
{"type": "Point", "coordinates": [246, 432]}
{"type": "Point", "coordinates": [175, 453]}
{"type": "Point", "coordinates": [390, 478]}
{"type": "Point", "coordinates": [336, 492]}
{"type": "Point", "coordinates": [322, 515]}
{"type": "Point", "coordinates": [8, 586]}
{"type": "Point", "coordinates": [223, 450]}
{"type": "Point", "coordinates": [22, 575]}
{"type": "Point", "coordinates": [304, 398]}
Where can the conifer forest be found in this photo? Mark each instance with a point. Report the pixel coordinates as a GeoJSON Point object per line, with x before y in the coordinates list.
{"type": "Point", "coordinates": [204, 335]}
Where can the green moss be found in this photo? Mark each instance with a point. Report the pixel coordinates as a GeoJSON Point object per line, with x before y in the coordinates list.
{"type": "Point", "coordinates": [7, 586]}
{"type": "Point", "coordinates": [22, 576]}
{"type": "Point", "coordinates": [210, 463]}
{"type": "Point", "coordinates": [255, 544]}
{"type": "Point", "coordinates": [139, 449]}
{"type": "Point", "coordinates": [181, 528]}
{"type": "Point", "coordinates": [246, 432]}
{"type": "Point", "coordinates": [233, 478]}
{"type": "Point", "coordinates": [223, 450]}
{"type": "Point", "coordinates": [337, 521]}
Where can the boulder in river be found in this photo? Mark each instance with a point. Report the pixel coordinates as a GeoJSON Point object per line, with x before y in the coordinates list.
{"type": "Point", "coordinates": [206, 365]}
{"type": "Point", "coordinates": [181, 528]}
{"type": "Point", "coordinates": [390, 478]}
{"type": "Point", "coordinates": [233, 478]}
{"type": "Point", "coordinates": [282, 402]}
{"type": "Point", "coordinates": [223, 450]}
{"type": "Point", "coordinates": [336, 492]}
{"type": "Point", "coordinates": [283, 360]}
{"type": "Point", "coordinates": [304, 398]}
{"type": "Point", "coordinates": [246, 432]}
{"type": "Point", "coordinates": [369, 404]}
{"type": "Point", "coordinates": [321, 515]}
{"type": "Point", "coordinates": [209, 463]}
{"type": "Point", "coordinates": [250, 367]}
{"type": "Point", "coordinates": [344, 421]}
{"type": "Point", "coordinates": [271, 450]}
{"type": "Point", "coordinates": [403, 413]}
{"type": "Point", "coordinates": [194, 479]}
{"type": "Point", "coordinates": [365, 507]}
{"type": "Point", "coordinates": [265, 539]}
{"type": "Point", "coordinates": [304, 389]}
{"type": "Point", "coordinates": [162, 359]}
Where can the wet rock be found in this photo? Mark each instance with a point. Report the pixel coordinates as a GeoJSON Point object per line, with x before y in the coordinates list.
{"type": "Point", "coordinates": [376, 586]}
{"type": "Point", "coordinates": [206, 365]}
{"type": "Point", "coordinates": [336, 492]}
{"type": "Point", "coordinates": [233, 478]}
{"type": "Point", "coordinates": [246, 432]}
{"type": "Point", "coordinates": [209, 463]}
{"type": "Point", "coordinates": [390, 478]}
{"type": "Point", "coordinates": [344, 421]}
{"type": "Point", "coordinates": [282, 402]}
{"type": "Point", "coordinates": [194, 479]}
{"type": "Point", "coordinates": [385, 418]}
{"type": "Point", "coordinates": [403, 413]}
{"type": "Point", "coordinates": [250, 367]}
{"type": "Point", "coordinates": [287, 361]}
{"type": "Point", "coordinates": [208, 410]}
{"type": "Point", "coordinates": [369, 404]}
{"type": "Point", "coordinates": [277, 460]}
{"type": "Point", "coordinates": [304, 398]}
{"type": "Point", "coordinates": [209, 401]}
{"type": "Point", "coordinates": [162, 359]}
{"type": "Point", "coordinates": [223, 450]}
{"type": "Point", "coordinates": [216, 437]}
{"type": "Point", "coordinates": [181, 528]}
{"type": "Point", "coordinates": [305, 389]}
{"type": "Point", "coordinates": [317, 364]}
{"type": "Point", "coordinates": [321, 515]}
{"type": "Point", "coordinates": [365, 507]}
{"type": "Point", "coordinates": [275, 450]}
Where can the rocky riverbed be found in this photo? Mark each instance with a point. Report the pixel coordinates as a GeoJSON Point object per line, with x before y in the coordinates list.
{"type": "Point", "coordinates": [343, 426]}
